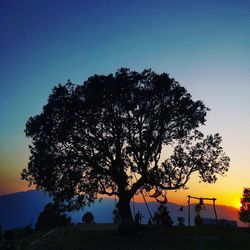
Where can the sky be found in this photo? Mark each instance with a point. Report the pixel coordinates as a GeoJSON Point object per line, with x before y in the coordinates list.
{"type": "Point", "coordinates": [204, 45]}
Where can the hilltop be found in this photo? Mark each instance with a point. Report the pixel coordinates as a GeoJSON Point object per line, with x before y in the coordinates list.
{"type": "Point", "coordinates": [106, 237]}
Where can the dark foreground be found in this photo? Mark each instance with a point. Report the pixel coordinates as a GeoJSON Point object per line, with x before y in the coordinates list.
{"type": "Point", "coordinates": [105, 236]}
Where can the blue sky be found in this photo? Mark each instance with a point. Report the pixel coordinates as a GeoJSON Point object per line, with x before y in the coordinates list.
{"type": "Point", "coordinates": [205, 45]}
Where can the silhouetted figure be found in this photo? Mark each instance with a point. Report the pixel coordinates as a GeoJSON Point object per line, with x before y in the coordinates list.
{"type": "Point", "coordinates": [8, 238]}
{"type": "Point", "coordinates": [197, 219]}
{"type": "Point", "coordinates": [202, 204]}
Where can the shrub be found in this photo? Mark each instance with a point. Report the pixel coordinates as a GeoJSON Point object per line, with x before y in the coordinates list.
{"type": "Point", "coordinates": [88, 218]}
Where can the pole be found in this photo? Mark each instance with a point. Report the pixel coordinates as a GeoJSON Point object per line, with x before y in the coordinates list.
{"type": "Point", "coordinates": [143, 196]}
{"type": "Point", "coordinates": [215, 211]}
{"type": "Point", "coordinates": [189, 211]}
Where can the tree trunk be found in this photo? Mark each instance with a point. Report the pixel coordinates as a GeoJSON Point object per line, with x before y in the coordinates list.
{"type": "Point", "coordinates": [124, 210]}
{"type": "Point", "coordinates": [126, 225]}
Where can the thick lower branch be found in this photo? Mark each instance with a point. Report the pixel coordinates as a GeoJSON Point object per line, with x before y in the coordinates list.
{"type": "Point", "coordinates": [135, 187]}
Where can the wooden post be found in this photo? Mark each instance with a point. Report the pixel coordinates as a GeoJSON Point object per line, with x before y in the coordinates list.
{"type": "Point", "coordinates": [215, 211]}
{"type": "Point", "coordinates": [189, 211]}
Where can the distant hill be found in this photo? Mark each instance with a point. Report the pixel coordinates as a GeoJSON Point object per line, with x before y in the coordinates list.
{"type": "Point", "coordinates": [20, 209]}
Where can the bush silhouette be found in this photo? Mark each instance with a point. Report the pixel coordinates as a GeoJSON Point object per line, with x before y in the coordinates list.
{"type": "Point", "coordinates": [88, 218]}
{"type": "Point", "coordinates": [51, 217]}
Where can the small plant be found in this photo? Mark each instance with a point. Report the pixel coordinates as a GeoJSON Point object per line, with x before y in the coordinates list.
{"type": "Point", "coordinates": [116, 216]}
{"type": "Point", "coordinates": [88, 218]}
{"type": "Point", "coordinates": [8, 238]}
{"type": "Point", "coordinates": [181, 221]}
{"type": "Point", "coordinates": [138, 217]}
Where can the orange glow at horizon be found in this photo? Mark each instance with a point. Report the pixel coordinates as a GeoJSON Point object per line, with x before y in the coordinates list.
{"type": "Point", "coordinates": [12, 184]}
{"type": "Point", "coordinates": [227, 190]}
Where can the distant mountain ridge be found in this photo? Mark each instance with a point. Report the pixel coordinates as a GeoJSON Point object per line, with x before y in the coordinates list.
{"type": "Point", "coordinates": [22, 208]}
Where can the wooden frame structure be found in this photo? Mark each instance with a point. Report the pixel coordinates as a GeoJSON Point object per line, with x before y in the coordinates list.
{"type": "Point", "coordinates": [201, 199]}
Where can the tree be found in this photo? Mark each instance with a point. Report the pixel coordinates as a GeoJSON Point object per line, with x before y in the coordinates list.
{"type": "Point", "coordinates": [88, 218]}
{"type": "Point", "coordinates": [107, 136]}
{"type": "Point", "coordinates": [51, 217]}
{"type": "Point", "coordinates": [244, 213]}
{"type": "Point", "coordinates": [162, 217]}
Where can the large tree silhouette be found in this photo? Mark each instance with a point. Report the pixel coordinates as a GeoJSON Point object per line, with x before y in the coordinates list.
{"type": "Point", "coordinates": [107, 136]}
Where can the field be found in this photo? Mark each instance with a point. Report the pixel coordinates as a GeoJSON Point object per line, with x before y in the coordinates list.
{"type": "Point", "coordinates": [106, 236]}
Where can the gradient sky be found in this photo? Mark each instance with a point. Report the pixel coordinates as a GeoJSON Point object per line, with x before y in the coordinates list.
{"type": "Point", "coordinates": [205, 45]}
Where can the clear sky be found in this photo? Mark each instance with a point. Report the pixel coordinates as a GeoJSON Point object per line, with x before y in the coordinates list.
{"type": "Point", "coordinates": [205, 45]}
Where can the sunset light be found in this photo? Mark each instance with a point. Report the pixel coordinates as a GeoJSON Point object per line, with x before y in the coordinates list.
{"type": "Point", "coordinates": [237, 204]}
{"type": "Point", "coordinates": [142, 105]}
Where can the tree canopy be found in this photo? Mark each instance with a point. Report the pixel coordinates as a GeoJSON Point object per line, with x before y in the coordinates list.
{"type": "Point", "coordinates": [107, 136]}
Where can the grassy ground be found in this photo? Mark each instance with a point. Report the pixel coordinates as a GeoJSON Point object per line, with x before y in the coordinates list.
{"type": "Point", "coordinates": [104, 236]}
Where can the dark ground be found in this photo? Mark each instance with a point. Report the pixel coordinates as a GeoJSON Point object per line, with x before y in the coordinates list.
{"type": "Point", "coordinates": [105, 236]}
